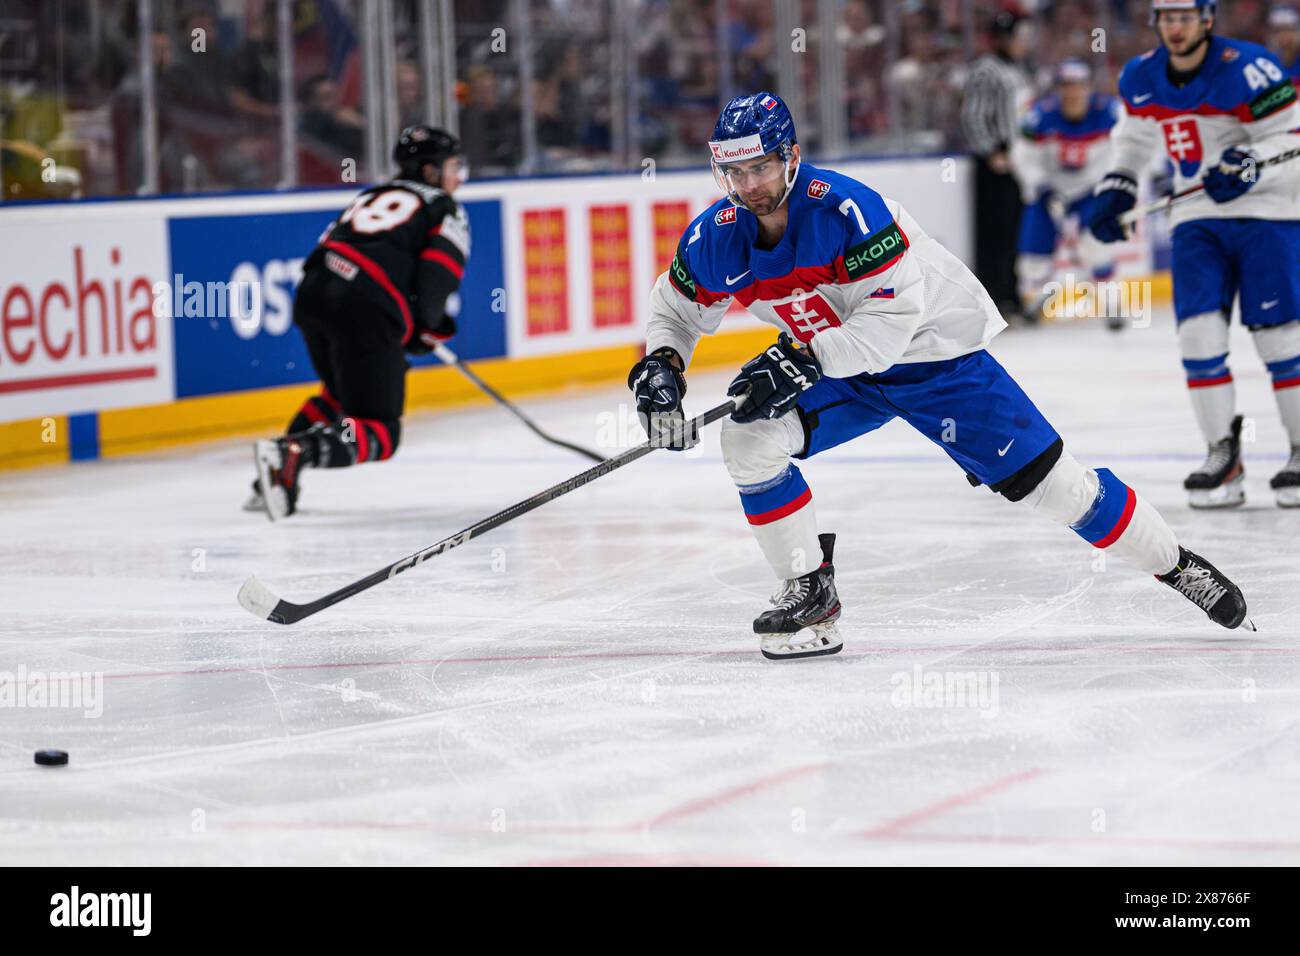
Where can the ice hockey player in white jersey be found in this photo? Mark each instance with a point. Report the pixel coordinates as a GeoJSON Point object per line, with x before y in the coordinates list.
{"type": "Point", "coordinates": [1063, 150]}
{"type": "Point", "coordinates": [1220, 109]}
{"type": "Point", "coordinates": [877, 321]}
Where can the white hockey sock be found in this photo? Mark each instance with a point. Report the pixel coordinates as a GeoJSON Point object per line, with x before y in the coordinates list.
{"type": "Point", "coordinates": [1214, 406]}
{"type": "Point", "coordinates": [786, 532]}
{"type": "Point", "coordinates": [1288, 407]}
{"type": "Point", "coordinates": [1107, 514]}
{"type": "Point", "coordinates": [1203, 340]}
{"type": "Point", "coordinates": [776, 499]}
{"type": "Point", "coordinates": [1279, 347]}
{"type": "Point", "coordinates": [1034, 269]}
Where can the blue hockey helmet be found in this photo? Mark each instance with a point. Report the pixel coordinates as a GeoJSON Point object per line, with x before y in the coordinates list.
{"type": "Point", "coordinates": [1207, 8]}
{"type": "Point", "coordinates": [751, 126]}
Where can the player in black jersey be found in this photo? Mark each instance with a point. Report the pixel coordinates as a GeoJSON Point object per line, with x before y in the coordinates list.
{"type": "Point", "coordinates": [374, 289]}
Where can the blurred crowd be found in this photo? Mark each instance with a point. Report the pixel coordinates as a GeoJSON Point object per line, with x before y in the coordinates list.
{"type": "Point", "coordinates": [605, 83]}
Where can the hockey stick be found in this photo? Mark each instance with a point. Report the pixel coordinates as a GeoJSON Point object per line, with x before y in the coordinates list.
{"type": "Point", "coordinates": [1128, 219]}
{"type": "Point", "coordinates": [450, 358]}
{"type": "Point", "coordinates": [257, 598]}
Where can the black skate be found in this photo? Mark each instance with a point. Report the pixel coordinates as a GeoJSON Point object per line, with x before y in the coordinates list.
{"type": "Point", "coordinates": [1286, 483]}
{"type": "Point", "coordinates": [807, 602]}
{"type": "Point", "coordinates": [1220, 482]}
{"type": "Point", "coordinates": [279, 461]}
{"type": "Point", "coordinates": [1209, 589]}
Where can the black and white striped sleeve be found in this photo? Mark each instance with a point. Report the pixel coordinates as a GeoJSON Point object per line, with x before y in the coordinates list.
{"type": "Point", "coordinates": [985, 109]}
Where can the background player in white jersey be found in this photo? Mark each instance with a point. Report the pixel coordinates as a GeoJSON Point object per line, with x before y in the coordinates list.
{"type": "Point", "coordinates": [1220, 109]}
{"type": "Point", "coordinates": [878, 321]}
{"type": "Point", "coordinates": [1062, 151]}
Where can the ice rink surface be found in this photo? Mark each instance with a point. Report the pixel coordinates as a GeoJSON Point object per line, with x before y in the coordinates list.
{"type": "Point", "coordinates": [581, 686]}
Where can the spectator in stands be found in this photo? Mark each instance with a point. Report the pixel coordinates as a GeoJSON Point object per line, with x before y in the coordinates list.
{"type": "Point", "coordinates": [919, 83]}
{"type": "Point", "coordinates": [323, 119]}
{"type": "Point", "coordinates": [410, 95]}
{"type": "Point", "coordinates": [490, 131]}
{"type": "Point", "coordinates": [256, 66]}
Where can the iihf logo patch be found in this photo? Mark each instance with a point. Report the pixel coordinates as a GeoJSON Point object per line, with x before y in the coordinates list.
{"type": "Point", "coordinates": [725, 216]}
{"type": "Point", "coordinates": [817, 189]}
{"type": "Point", "coordinates": [1183, 143]}
{"type": "Point", "coordinates": [767, 102]}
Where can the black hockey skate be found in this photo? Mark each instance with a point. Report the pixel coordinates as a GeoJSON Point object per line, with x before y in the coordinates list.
{"type": "Point", "coordinates": [1220, 481]}
{"type": "Point", "coordinates": [1286, 483]}
{"type": "Point", "coordinates": [1209, 589]}
{"type": "Point", "coordinates": [807, 602]}
{"type": "Point", "coordinates": [279, 461]}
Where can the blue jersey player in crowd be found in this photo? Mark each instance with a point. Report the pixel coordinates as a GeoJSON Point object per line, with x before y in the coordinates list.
{"type": "Point", "coordinates": [1219, 109]}
{"type": "Point", "coordinates": [877, 321]}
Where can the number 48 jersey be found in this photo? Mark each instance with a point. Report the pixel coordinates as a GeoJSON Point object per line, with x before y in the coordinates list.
{"type": "Point", "coordinates": [403, 245]}
{"type": "Point", "coordinates": [1240, 97]}
{"type": "Point", "coordinates": [854, 278]}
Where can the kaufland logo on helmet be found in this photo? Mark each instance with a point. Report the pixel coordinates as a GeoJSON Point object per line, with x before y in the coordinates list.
{"type": "Point", "coordinates": [733, 150]}
{"type": "Point", "coordinates": [725, 216]}
{"type": "Point", "coordinates": [768, 102]}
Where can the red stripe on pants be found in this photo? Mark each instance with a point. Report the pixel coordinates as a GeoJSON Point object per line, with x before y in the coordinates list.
{"type": "Point", "coordinates": [1121, 525]}
{"type": "Point", "coordinates": [790, 507]}
{"type": "Point", "coordinates": [1207, 382]}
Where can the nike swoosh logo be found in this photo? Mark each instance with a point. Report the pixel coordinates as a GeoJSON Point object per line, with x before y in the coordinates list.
{"type": "Point", "coordinates": [1143, 98]}
{"type": "Point", "coordinates": [1003, 451]}
{"type": "Point", "coordinates": [731, 281]}
{"type": "Point", "coordinates": [1269, 305]}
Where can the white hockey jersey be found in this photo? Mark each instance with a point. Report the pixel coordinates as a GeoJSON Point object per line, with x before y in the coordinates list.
{"type": "Point", "coordinates": [1066, 156]}
{"type": "Point", "coordinates": [1241, 96]}
{"type": "Point", "coordinates": [854, 277]}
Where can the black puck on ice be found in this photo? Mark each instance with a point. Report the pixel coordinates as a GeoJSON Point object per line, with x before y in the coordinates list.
{"type": "Point", "coordinates": [52, 758]}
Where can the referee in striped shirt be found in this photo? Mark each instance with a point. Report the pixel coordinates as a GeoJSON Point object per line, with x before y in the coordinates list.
{"type": "Point", "coordinates": [998, 89]}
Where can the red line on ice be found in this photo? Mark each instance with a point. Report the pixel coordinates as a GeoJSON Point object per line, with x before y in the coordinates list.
{"type": "Point", "coordinates": [688, 809]}
{"type": "Point", "coordinates": [890, 827]}
{"type": "Point", "coordinates": [732, 793]}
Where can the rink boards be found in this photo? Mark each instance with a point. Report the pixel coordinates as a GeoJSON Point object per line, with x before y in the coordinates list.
{"type": "Point", "coordinates": [132, 325]}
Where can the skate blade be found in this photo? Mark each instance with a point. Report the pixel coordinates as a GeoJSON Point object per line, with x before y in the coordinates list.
{"type": "Point", "coordinates": [1248, 624]}
{"type": "Point", "coordinates": [1229, 495]}
{"type": "Point", "coordinates": [824, 640]}
{"type": "Point", "coordinates": [275, 502]}
{"type": "Point", "coordinates": [1287, 497]}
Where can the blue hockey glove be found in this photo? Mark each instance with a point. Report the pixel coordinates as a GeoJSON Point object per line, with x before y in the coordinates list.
{"type": "Point", "coordinates": [1237, 171]}
{"type": "Point", "coordinates": [1116, 195]}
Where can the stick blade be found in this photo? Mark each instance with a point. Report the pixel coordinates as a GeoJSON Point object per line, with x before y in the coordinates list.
{"type": "Point", "coordinates": [258, 599]}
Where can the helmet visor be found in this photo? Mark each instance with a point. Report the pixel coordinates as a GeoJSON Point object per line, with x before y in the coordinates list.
{"type": "Point", "coordinates": [750, 175]}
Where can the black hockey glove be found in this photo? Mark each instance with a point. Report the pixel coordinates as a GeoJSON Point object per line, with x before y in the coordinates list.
{"type": "Point", "coordinates": [774, 380]}
{"type": "Point", "coordinates": [1115, 195]}
{"type": "Point", "coordinates": [424, 340]}
{"type": "Point", "coordinates": [658, 387]}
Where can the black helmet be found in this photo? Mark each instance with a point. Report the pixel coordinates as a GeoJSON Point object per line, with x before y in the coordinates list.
{"type": "Point", "coordinates": [418, 145]}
